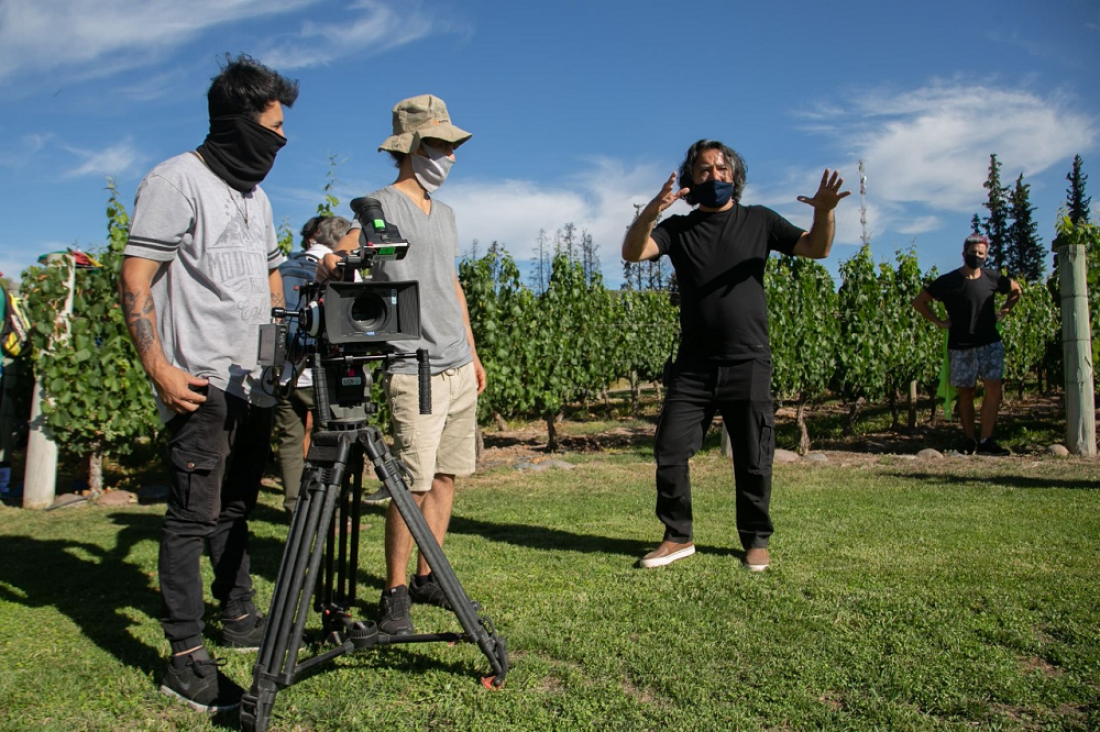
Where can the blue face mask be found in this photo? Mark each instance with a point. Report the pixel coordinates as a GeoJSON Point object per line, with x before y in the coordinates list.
{"type": "Point", "coordinates": [712, 194]}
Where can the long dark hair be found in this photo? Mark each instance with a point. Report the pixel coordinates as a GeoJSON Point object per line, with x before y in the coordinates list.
{"type": "Point", "coordinates": [740, 170]}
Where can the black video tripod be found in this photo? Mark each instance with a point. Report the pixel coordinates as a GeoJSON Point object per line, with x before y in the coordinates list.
{"type": "Point", "coordinates": [331, 489]}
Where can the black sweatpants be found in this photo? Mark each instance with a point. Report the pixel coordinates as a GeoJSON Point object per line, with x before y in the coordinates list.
{"type": "Point", "coordinates": [741, 393]}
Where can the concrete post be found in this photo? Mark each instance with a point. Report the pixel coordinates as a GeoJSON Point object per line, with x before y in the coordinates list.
{"type": "Point", "coordinates": [40, 477]}
{"type": "Point", "coordinates": [1077, 351]}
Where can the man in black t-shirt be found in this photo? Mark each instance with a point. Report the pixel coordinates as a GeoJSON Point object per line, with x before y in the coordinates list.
{"type": "Point", "coordinates": [719, 251]}
{"type": "Point", "coordinates": [973, 342]}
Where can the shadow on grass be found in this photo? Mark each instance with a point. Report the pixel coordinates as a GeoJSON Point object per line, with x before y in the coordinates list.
{"type": "Point", "coordinates": [266, 554]}
{"type": "Point", "coordinates": [90, 585]}
{"type": "Point", "coordinates": [541, 537]}
{"type": "Point", "coordinates": [1009, 481]}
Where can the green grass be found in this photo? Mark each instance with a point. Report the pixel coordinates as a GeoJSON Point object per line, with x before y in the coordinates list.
{"type": "Point", "coordinates": [958, 594]}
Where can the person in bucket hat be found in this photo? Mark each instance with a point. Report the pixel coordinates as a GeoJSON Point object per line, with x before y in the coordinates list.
{"type": "Point", "coordinates": [418, 118]}
{"type": "Point", "coordinates": [441, 446]}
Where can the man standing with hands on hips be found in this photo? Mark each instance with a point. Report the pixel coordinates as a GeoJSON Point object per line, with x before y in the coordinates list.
{"type": "Point", "coordinates": [974, 347]}
{"type": "Point", "coordinates": [719, 252]}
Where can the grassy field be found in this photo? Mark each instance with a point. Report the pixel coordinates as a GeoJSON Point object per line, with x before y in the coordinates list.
{"type": "Point", "coordinates": [952, 594]}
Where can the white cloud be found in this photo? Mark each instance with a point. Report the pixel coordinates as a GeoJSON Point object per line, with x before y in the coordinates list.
{"type": "Point", "coordinates": [599, 201]}
{"type": "Point", "coordinates": [28, 146]}
{"type": "Point", "coordinates": [374, 27]}
{"type": "Point", "coordinates": [926, 152]}
{"type": "Point", "coordinates": [931, 146]}
{"type": "Point", "coordinates": [98, 37]}
{"type": "Point", "coordinates": [115, 160]}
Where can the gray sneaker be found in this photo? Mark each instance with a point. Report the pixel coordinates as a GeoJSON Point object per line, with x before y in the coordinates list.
{"type": "Point", "coordinates": [393, 612]}
{"type": "Point", "coordinates": [196, 680]}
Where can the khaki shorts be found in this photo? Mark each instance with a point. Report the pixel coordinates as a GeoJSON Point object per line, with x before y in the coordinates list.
{"type": "Point", "coordinates": [443, 442]}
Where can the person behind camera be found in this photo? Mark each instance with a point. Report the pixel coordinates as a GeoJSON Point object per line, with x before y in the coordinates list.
{"type": "Point", "coordinates": [974, 347]}
{"type": "Point", "coordinates": [200, 275]}
{"type": "Point", "coordinates": [294, 413]}
{"type": "Point", "coordinates": [719, 252]}
{"type": "Point", "coordinates": [440, 446]}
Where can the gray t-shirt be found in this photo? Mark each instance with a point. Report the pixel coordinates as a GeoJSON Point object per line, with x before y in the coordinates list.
{"type": "Point", "coordinates": [213, 294]}
{"type": "Point", "coordinates": [433, 247]}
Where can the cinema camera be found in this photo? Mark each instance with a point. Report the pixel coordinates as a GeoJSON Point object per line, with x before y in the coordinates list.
{"type": "Point", "coordinates": [341, 326]}
{"type": "Point", "coordinates": [343, 320]}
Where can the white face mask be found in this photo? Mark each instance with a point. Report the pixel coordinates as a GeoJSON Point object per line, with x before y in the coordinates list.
{"type": "Point", "coordinates": [431, 171]}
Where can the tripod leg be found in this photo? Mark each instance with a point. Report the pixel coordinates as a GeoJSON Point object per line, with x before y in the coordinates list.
{"type": "Point", "coordinates": [390, 471]}
{"type": "Point", "coordinates": [276, 662]}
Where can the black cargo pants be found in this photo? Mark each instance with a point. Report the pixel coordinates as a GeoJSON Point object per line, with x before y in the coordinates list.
{"type": "Point", "coordinates": [216, 458]}
{"type": "Point", "coordinates": [741, 393]}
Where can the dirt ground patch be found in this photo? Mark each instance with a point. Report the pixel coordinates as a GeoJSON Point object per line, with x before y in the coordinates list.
{"type": "Point", "coordinates": [1028, 426]}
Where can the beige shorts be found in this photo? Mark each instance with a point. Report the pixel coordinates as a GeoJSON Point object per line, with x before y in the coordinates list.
{"type": "Point", "coordinates": [443, 442]}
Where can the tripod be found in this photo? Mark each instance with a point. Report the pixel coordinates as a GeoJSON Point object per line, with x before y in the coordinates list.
{"type": "Point", "coordinates": [331, 489]}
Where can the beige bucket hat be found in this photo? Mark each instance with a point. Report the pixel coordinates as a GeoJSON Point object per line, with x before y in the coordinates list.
{"type": "Point", "coordinates": [421, 117]}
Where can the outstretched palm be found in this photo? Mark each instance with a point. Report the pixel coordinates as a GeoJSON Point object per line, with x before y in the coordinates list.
{"type": "Point", "coordinates": [828, 193]}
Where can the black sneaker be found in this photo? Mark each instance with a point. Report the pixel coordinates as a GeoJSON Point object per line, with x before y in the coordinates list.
{"type": "Point", "coordinates": [244, 634]}
{"type": "Point", "coordinates": [393, 612]}
{"type": "Point", "coordinates": [968, 447]}
{"type": "Point", "coordinates": [427, 591]}
{"type": "Point", "coordinates": [990, 447]}
{"type": "Point", "coordinates": [196, 680]}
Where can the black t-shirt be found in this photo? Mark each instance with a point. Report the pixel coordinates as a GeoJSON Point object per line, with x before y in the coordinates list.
{"type": "Point", "coordinates": [970, 306]}
{"type": "Point", "coordinates": [719, 258]}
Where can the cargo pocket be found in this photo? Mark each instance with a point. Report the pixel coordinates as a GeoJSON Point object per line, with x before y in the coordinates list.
{"type": "Point", "coordinates": [766, 448]}
{"type": "Point", "coordinates": [196, 488]}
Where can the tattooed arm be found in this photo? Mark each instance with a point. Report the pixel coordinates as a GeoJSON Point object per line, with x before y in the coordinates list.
{"type": "Point", "coordinates": [275, 282]}
{"type": "Point", "coordinates": [173, 385]}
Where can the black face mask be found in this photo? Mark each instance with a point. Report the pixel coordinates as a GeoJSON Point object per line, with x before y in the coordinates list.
{"type": "Point", "coordinates": [973, 261]}
{"type": "Point", "coordinates": [712, 194]}
{"type": "Point", "coordinates": [240, 151]}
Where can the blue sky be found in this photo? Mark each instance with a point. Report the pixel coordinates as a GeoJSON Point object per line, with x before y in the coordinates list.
{"type": "Point", "coordinates": [579, 109]}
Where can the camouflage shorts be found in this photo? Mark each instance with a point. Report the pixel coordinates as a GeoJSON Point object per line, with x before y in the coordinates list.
{"type": "Point", "coordinates": [983, 362]}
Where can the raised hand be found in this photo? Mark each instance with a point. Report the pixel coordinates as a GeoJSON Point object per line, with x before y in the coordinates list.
{"type": "Point", "coordinates": [667, 196]}
{"type": "Point", "coordinates": [828, 193]}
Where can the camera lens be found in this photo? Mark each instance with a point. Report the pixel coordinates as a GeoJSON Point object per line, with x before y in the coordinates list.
{"type": "Point", "coordinates": [369, 311]}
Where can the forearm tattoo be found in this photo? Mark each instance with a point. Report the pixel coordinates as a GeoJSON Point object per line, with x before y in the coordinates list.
{"type": "Point", "coordinates": [138, 309]}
